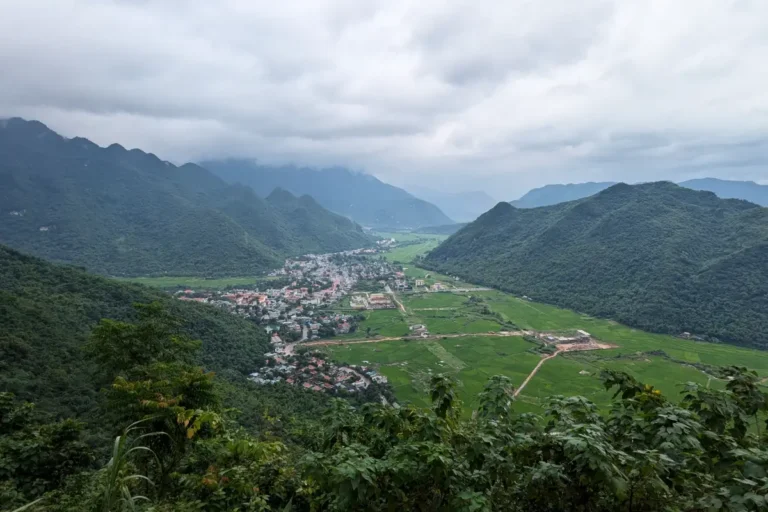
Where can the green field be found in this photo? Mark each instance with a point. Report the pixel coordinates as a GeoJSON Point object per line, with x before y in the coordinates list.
{"type": "Point", "coordinates": [409, 252]}
{"type": "Point", "coordinates": [474, 358]}
{"type": "Point", "coordinates": [198, 283]}
{"type": "Point", "coordinates": [382, 322]}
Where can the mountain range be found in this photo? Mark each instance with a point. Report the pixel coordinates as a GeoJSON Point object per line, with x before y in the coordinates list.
{"type": "Point", "coordinates": [124, 212]}
{"type": "Point", "coordinates": [358, 196]}
{"type": "Point", "coordinates": [725, 189]}
{"type": "Point", "coordinates": [655, 256]}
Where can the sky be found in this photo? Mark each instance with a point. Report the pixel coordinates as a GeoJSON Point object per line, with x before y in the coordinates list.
{"type": "Point", "coordinates": [499, 96]}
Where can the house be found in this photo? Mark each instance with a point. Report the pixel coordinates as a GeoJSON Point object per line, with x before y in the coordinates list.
{"type": "Point", "coordinates": [419, 282]}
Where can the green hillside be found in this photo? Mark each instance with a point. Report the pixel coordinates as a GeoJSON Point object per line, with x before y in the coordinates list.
{"type": "Point", "coordinates": [123, 212]}
{"type": "Point", "coordinates": [179, 445]}
{"type": "Point", "coordinates": [47, 312]}
{"type": "Point", "coordinates": [655, 256]}
{"type": "Point", "coordinates": [361, 197]}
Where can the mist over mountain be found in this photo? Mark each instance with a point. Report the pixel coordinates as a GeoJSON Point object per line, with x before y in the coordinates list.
{"type": "Point", "coordinates": [124, 212]}
{"type": "Point", "coordinates": [361, 197]}
{"type": "Point", "coordinates": [460, 206]}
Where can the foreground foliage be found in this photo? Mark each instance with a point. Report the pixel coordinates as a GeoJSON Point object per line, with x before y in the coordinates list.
{"type": "Point", "coordinates": [184, 451]}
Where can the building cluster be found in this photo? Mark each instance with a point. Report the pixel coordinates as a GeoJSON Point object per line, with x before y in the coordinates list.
{"type": "Point", "coordinates": [371, 301]}
{"type": "Point", "coordinates": [299, 311]}
{"type": "Point", "coordinates": [577, 336]}
{"type": "Point", "coordinates": [386, 243]}
{"type": "Point", "coordinates": [311, 371]}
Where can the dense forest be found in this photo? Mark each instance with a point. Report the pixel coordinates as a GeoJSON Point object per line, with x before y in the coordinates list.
{"type": "Point", "coordinates": [128, 213]}
{"type": "Point", "coordinates": [361, 197]}
{"type": "Point", "coordinates": [655, 256]}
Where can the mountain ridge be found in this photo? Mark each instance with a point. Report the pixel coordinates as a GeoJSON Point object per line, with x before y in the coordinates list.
{"type": "Point", "coordinates": [127, 212]}
{"type": "Point", "coordinates": [358, 196]}
{"type": "Point", "coordinates": [725, 189]}
{"type": "Point", "coordinates": [655, 256]}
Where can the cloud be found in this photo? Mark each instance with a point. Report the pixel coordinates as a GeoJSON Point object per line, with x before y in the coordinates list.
{"type": "Point", "coordinates": [480, 94]}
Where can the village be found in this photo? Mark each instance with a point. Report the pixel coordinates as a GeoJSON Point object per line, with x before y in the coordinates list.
{"type": "Point", "coordinates": [305, 304]}
{"type": "Point", "coordinates": [312, 371]}
{"type": "Point", "coordinates": [299, 311]}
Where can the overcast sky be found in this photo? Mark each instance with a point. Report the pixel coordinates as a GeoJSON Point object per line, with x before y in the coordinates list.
{"type": "Point", "coordinates": [493, 95]}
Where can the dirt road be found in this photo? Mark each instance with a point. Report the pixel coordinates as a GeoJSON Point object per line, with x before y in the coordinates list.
{"type": "Point", "coordinates": [533, 372]}
{"type": "Point", "coordinates": [399, 304]}
{"type": "Point", "coordinates": [564, 347]}
{"type": "Point", "coordinates": [412, 338]}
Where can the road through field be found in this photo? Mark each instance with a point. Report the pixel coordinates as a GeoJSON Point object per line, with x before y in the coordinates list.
{"type": "Point", "coordinates": [533, 372]}
{"type": "Point", "coordinates": [321, 343]}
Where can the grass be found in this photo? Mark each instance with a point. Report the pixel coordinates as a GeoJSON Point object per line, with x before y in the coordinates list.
{"type": "Point", "coordinates": [435, 300]}
{"type": "Point", "coordinates": [198, 283]}
{"type": "Point", "coordinates": [474, 359]}
{"type": "Point", "coordinates": [420, 245]}
{"type": "Point", "coordinates": [383, 322]}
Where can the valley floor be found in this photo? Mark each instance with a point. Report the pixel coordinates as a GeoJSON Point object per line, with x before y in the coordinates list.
{"type": "Point", "coordinates": [465, 339]}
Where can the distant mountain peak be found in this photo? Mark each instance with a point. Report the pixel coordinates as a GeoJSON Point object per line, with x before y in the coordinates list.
{"type": "Point", "coordinates": [280, 194]}
{"type": "Point", "coordinates": [358, 196]}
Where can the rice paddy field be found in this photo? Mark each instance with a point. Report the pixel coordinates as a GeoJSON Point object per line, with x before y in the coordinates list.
{"type": "Point", "coordinates": [462, 345]}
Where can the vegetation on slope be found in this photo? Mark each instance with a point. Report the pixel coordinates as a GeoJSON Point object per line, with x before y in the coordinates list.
{"type": "Point", "coordinates": [361, 197]}
{"type": "Point", "coordinates": [655, 256]}
{"type": "Point", "coordinates": [123, 212]}
{"type": "Point", "coordinates": [179, 445]}
{"type": "Point", "coordinates": [47, 312]}
{"type": "Point", "coordinates": [181, 451]}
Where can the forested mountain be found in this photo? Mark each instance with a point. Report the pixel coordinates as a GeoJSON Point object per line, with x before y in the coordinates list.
{"type": "Point", "coordinates": [47, 312]}
{"type": "Point", "coordinates": [554, 194]}
{"type": "Point", "coordinates": [724, 189]}
{"type": "Point", "coordinates": [126, 212]}
{"type": "Point", "coordinates": [656, 256]}
{"type": "Point", "coordinates": [361, 197]}
{"type": "Point", "coordinates": [460, 206]}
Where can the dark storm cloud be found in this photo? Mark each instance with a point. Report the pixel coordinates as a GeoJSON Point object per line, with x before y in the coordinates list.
{"type": "Point", "coordinates": [454, 94]}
